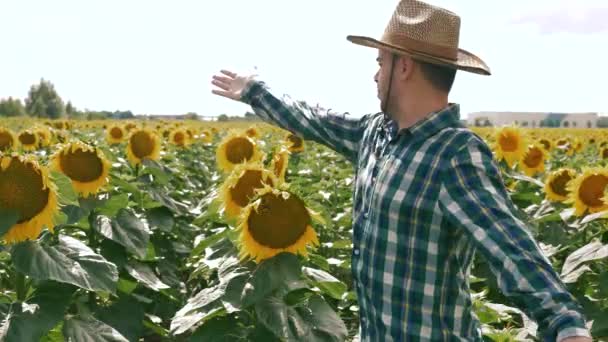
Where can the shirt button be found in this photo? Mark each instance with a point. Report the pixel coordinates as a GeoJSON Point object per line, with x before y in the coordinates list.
{"type": "Point", "coordinates": [356, 252]}
{"type": "Point", "coordinates": [366, 215]}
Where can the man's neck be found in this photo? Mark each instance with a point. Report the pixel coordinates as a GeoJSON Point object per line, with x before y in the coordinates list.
{"type": "Point", "coordinates": [413, 113]}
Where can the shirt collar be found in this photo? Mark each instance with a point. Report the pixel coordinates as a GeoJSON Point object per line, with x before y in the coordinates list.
{"type": "Point", "coordinates": [429, 125]}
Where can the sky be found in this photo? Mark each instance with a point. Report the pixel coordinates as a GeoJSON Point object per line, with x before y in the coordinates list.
{"type": "Point", "coordinates": [158, 57]}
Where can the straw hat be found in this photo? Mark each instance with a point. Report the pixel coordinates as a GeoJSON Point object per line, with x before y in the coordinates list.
{"type": "Point", "coordinates": [428, 33]}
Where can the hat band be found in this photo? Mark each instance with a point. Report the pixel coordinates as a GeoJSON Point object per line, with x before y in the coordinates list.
{"type": "Point", "coordinates": [435, 50]}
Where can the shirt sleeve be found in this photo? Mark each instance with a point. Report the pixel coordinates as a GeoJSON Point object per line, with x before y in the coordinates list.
{"type": "Point", "coordinates": [475, 199]}
{"type": "Point", "coordinates": [336, 131]}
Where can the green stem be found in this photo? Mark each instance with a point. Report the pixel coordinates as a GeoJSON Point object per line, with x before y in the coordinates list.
{"type": "Point", "coordinates": [21, 286]}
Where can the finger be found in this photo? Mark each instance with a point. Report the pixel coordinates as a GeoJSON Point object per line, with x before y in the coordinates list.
{"type": "Point", "coordinates": [222, 79]}
{"type": "Point", "coordinates": [221, 85]}
{"type": "Point", "coordinates": [229, 73]}
{"type": "Point", "coordinates": [226, 94]}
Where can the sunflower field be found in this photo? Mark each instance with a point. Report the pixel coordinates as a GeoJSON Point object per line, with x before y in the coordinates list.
{"type": "Point", "coordinates": [170, 230]}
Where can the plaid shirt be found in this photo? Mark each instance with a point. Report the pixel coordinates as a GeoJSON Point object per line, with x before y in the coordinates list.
{"type": "Point", "coordinates": [426, 198]}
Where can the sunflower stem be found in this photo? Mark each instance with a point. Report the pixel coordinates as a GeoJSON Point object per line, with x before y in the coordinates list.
{"type": "Point", "coordinates": [21, 286]}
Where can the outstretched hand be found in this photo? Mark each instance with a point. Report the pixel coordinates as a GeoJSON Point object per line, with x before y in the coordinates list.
{"type": "Point", "coordinates": [231, 85]}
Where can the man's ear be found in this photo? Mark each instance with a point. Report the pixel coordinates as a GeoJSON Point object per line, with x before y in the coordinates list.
{"type": "Point", "coordinates": [405, 65]}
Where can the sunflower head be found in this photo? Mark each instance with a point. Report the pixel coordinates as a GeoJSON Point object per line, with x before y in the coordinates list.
{"type": "Point", "coordinates": [85, 165]}
{"type": "Point", "coordinates": [604, 153]}
{"type": "Point", "coordinates": [179, 137]}
{"type": "Point", "coordinates": [115, 134]}
{"type": "Point", "coordinates": [143, 144]}
{"type": "Point", "coordinates": [279, 162]}
{"type": "Point", "coordinates": [206, 136]}
{"type": "Point", "coordinates": [533, 161]}
{"type": "Point", "coordinates": [546, 144]}
{"type": "Point", "coordinates": [28, 139]}
{"type": "Point", "coordinates": [26, 190]}
{"type": "Point", "coordinates": [587, 191]}
{"type": "Point", "coordinates": [509, 144]}
{"type": "Point", "coordinates": [294, 143]}
{"type": "Point", "coordinates": [556, 184]}
{"type": "Point", "coordinates": [44, 136]}
{"type": "Point", "coordinates": [252, 132]}
{"type": "Point", "coordinates": [236, 148]}
{"type": "Point", "coordinates": [276, 221]}
{"type": "Point", "coordinates": [239, 188]}
{"type": "Point", "coordinates": [8, 140]}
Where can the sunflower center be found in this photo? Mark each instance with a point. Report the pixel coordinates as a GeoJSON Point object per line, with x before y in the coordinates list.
{"type": "Point", "coordinates": [605, 153]}
{"type": "Point", "coordinates": [534, 157]}
{"type": "Point", "coordinates": [278, 222]}
{"type": "Point", "coordinates": [508, 142]}
{"type": "Point", "coordinates": [244, 189]}
{"type": "Point", "coordinates": [558, 185]}
{"type": "Point", "coordinates": [295, 140]}
{"type": "Point", "coordinates": [22, 190]}
{"type": "Point", "coordinates": [142, 144]}
{"type": "Point", "coordinates": [6, 141]}
{"type": "Point", "coordinates": [545, 143]}
{"type": "Point", "coordinates": [179, 138]}
{"type": "Point", "coordinates": [81, 166]}
{"type": "Point", "coordinates": [27, 138]}
{"type": "Point", "coordinates": [116, 133]}
{"type": "Point", "coordinates": [238, 150]}
{"type": "Point", "coordinates": [591, 190]}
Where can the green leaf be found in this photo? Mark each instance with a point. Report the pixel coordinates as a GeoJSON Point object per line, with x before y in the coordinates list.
{"type": "Point", "coordinates": [90, 330]}
{"type": "Point", "coordinates": [314, 321]}
{"type": "Point", "coordinates": [145, 275]}
{"type": "Point", "coordinates": [126, 229]}
{"type": "Point", "coordinates": [603, 284]}
{"type": "Point", "coordinates": [126, 316]}
{"type": "Point", "coordinates": [326, 282]}
{"type": "Point", "coordinates": [220, 329]}
{"type": "Point", "coordinates": [280, 270]}
{"type": "Point", "coordinates": [592, 251]}
{"type": "Point", "coordinates": [205, 305]}
{"type": "Point", "coordinates": [114, 204]}
{"type": "Point", "coordinates": [30, 321]}
{"type": "Point", "coordinates": [126, 286]}
{"type": "Point", "coordinates": [71, 261]}
{"type": "Point", "coordinates": [8, 218]}
{"type": "Point", "coordinates": [66, 193]}
{"type": "Point", "coordinates": [600, 325]}
{"type": "Point", "coordinates": [210, 240]}
{"type": "Point", "coordinates": [161, 218]}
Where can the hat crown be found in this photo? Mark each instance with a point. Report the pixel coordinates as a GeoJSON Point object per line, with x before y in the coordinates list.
{"type": "Point", "coordinates": [425, 23]}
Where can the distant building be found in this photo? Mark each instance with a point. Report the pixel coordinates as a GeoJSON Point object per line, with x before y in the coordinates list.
{"type": "Point", "coordinates": [534, 119]}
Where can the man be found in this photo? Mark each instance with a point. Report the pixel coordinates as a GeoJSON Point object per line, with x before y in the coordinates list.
{"type": "Point", "coordinates": [428, 193]}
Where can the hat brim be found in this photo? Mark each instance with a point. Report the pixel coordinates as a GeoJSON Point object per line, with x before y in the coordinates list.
{"type": "Point", "coordinates": [465, 60]}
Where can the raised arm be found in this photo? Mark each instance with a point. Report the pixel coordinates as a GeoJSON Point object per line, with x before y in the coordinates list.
{"type": "Point", "coordinates": [475, 199]}
{"type": "Point", "coordinates": [334, 130]}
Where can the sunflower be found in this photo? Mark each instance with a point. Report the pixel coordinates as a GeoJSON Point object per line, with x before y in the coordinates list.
{"type": "Point", "coordinates": [279, 162]}
{"type": "Point", "coordinates": [604, 153]}
{"type": "Point", "coordinates": [509, 145]}
{"type": "Point", "coordinates": [587, 191]}
{"type": "Point", "coordinates": [546, 143]}
{"type": "Point", "coordinates": [252, 132]}
{"type": "Point", "coordinates": [8, 141]}
{"type": "Point", "coordinates": [534, 160]}
{"type": "Point", "coordinates": [28, 140]}
{"type": "Point", "coordinates": [294, 143]}
{"type": "Point", "coordinates": [236, 148]}
{"type": "Point", "coordinates": [143, 144]}
{"type": "Point", "coordinates": [556, 184]}
{"type": "Point", "coordinates": [179, 137]}
{"type": "Point", "coordinates": [25, 188]}
{"type": "Point", "coordinates": [85, 165]}
{"type": "Point", "coordinates": [44, 136]}
{"type": "Point", "coordinates": [240, 186]}
{"type": "Point", "coordinates": [115, 134]}
{"type": "Point", "coordinates": [276, 221]}
{"type": "Point", "coordinates": [206, 136]}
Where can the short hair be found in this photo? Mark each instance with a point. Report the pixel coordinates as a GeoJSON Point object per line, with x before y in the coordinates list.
{"type": "Point", "coordinates": [441, 77]}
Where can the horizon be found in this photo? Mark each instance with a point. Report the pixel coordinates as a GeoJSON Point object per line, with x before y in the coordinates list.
{"type": "Point", "coordinates": [156, 58]}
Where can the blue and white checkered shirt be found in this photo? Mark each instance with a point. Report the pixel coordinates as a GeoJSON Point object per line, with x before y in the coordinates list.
{"type": "Point", "coordinates": [426, 198]}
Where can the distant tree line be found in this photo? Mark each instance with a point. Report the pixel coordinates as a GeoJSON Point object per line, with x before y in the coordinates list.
{"type": "Point", "coordinates": [43, 101]}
